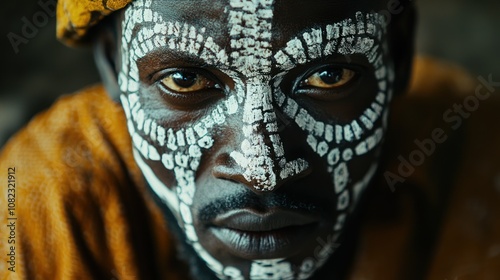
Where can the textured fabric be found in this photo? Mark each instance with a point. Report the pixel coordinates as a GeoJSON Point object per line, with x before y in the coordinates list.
{"type": "Point", "coordinates": [83, 211]}
{"type": "Point", "coordinates": [81, 207]}
{"type": "Point", "coordinates": [74, 18]}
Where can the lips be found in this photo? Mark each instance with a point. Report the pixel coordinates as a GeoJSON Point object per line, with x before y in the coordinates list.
{"type": "Point", "coordinates": [274, 234]}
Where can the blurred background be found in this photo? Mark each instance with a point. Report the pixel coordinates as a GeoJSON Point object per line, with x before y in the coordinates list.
{"type": "Point", "coordinates": [39, 69]}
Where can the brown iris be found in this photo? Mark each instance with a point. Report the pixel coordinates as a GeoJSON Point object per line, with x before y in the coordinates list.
{"type": "Point", "coordinates": [184, 81]}
{"type": "Point", "coordinates": [329, 78]}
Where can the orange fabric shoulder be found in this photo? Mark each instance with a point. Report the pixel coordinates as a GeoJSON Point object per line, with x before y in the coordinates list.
{"type": "Point", "coordinates": [81, 209]}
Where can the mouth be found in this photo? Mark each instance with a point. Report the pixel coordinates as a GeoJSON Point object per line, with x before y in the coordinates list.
{"type": "Point", "coordinates": [275, 234]}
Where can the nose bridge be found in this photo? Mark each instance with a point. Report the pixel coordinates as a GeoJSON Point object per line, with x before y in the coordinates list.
{"type": "Point", "coordinates": [261, 145]}
{"type": "Point", "coordinates": [262, 156]}
{"type": "Point", "coordinates": [259, 112]}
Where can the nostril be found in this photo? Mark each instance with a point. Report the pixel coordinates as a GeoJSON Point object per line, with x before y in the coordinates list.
{"type": "Point", "coordinates": [227, 173]}
{"type": "Point", "coordinates": [226, 168]}
{"type": "Point", "coordinates": [224, 159]}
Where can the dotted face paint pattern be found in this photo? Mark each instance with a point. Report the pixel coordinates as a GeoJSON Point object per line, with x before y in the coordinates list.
{"type": "Point", "coordinates": [250, 31]}
{"type": "Point", "coordinates": [264, 161]}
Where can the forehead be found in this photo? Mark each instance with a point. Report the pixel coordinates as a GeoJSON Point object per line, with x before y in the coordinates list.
{"type": "Point", "coordinates": [288, 17]}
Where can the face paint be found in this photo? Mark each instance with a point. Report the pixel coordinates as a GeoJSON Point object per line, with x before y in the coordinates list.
{"type": "Point", "coordinates": [183, 147]}
{"type": "Point", "coordinates": [258, 95]}
{"type": "Point", "coordinates": [250, 25]}
{"type": "Point", "coordinates": [339, 144]}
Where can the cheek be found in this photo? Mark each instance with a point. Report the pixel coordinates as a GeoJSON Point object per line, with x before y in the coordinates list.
{"type": "Point", "coordinates": [348, 149]}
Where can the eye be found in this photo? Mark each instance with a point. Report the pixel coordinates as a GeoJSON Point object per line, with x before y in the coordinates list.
{"type": "Point", "coordinates": [184, 82]}
{"type": "Point", "coordinates": [329, 78]}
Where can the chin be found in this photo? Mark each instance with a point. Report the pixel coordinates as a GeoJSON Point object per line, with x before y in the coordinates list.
{"type": "Point", "coordinates": [242, 231]}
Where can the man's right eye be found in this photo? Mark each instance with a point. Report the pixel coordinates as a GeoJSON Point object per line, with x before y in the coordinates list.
{"type": "Point", "coordinates": [182, 81]}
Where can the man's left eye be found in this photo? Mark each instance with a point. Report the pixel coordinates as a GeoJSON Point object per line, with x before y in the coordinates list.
{"type": "Point", "coordinates": [329, 78]}
{"type": "Point", "coordinates": [185, 82]}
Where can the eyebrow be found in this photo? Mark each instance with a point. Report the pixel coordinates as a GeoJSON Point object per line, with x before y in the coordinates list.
{"type": "Point", "coordinates": [361, 35]}
{"type": "Point", "coordinates": [178, 41]}
{"type": "Point", "coordinates": [181, 42]}
{"type": "Point", "coordinates": [164, 58]}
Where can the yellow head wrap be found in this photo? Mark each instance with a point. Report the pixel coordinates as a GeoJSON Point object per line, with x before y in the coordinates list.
{"type": "Point", "coordinates": [75, 17]}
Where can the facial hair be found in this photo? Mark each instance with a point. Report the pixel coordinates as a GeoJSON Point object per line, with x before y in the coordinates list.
{"type": "Point", "coordinates": [336, 267]}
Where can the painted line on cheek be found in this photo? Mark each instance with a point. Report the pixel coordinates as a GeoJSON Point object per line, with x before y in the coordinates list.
{"type": "Point", "coordinates": [371, 142]}
{"type": "Point", "coordinates": [211, 262]}
{"type": "Point", "coordinates": [162, 191]}
{"type": "Point", "coordinates": [341, 177]}
{"type": "Point", "coordinates": [147, 150]}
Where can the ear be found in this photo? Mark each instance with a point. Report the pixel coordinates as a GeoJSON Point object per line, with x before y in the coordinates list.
{"type": "Point", "coordinates": [106, 58]}
{"type": "Point", "coordinates": [402, 40]}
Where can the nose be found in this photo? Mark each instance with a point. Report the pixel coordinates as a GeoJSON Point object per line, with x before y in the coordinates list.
{"type": "Point", "coordinates": [260, 160]}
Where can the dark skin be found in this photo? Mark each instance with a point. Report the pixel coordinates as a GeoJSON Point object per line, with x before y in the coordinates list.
{"type": "Point", "coordinates": [221, 186]}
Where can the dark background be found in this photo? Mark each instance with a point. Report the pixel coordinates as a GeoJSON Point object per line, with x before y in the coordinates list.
{"type": "Point", "coordinates": [465, 32]}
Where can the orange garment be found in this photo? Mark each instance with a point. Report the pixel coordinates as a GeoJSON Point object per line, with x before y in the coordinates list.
{"type": "Point", "coordinates": [83, 211]}
{"type": "Point", "coordinates": [76, 17]}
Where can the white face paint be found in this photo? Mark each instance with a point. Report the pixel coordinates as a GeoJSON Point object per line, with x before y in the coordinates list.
{"type": "Point", "coordinates": [251, 56]}
{"type": "Point", "coordinates": [250, 25]}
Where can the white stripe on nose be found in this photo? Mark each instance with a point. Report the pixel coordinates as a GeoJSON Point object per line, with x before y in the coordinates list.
{"type": "Point", "coordinates": [262, 153]}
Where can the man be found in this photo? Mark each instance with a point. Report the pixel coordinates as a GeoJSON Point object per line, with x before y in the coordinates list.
{"type": "Point", "coordinates": [259, 128]}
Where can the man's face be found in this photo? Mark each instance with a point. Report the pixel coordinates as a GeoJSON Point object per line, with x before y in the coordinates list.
{"type": "Point", "coordinates": [257, 122]}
